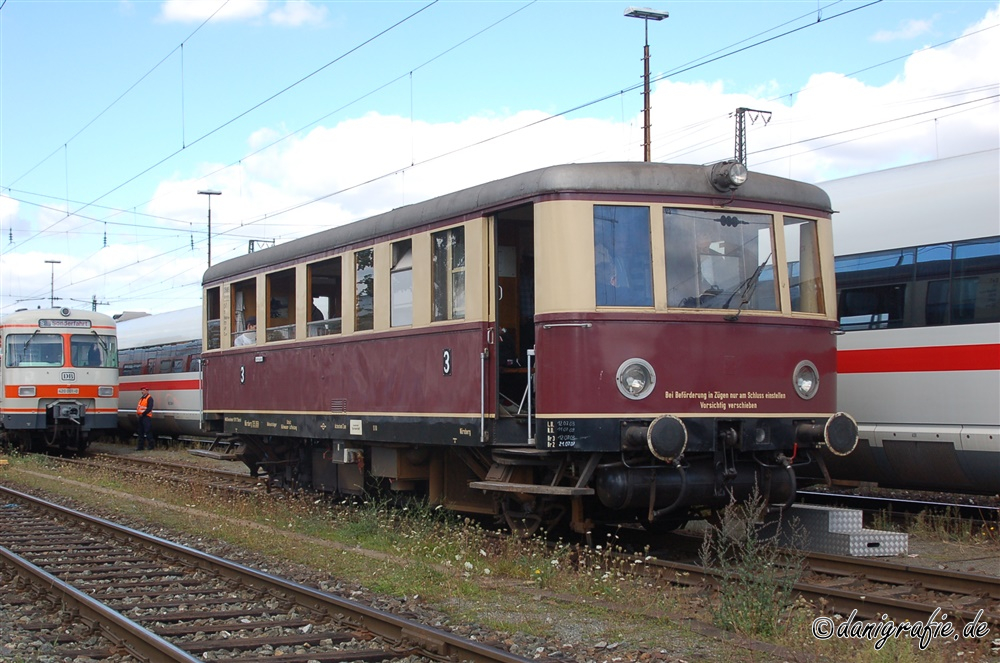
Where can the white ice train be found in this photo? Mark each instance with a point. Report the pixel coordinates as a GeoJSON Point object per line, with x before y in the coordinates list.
{"type": "Point", "coordinates": [58, 378]}
{"type": "Point", "coordinates": [918, 280]}
{"type": "Point", "coordinates": [162, 352]}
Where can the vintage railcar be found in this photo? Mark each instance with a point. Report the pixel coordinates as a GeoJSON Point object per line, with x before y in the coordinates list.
{"type": "Point", "coordinates": [58, 378]}
{"type": "Point", "coordinates": [581, 344]}
{"type": "Point", "coordinates": [918, 275]}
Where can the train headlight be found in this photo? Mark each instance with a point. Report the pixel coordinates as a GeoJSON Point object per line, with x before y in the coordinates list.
{"type": "Point", "coordinates": [805, 379]}
{"type": "Point", "coordinates": [26, 392]}
{"type": "Point", "coordinates": [105, 392]}
{"type": "Point", "coordinates": [635, 378]}
{"type": "Point", "coordinates": [728, 175]}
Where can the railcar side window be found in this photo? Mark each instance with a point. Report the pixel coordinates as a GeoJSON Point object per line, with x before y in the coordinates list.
{"type": "Point", "coordinates": [719, 260]}
{"type": "Point", "coordinates": [937, 284]}
{"type": "Point", "coordinates": [34, 350]}
{"type": "Point", "coordinates": [623, 273]}
{"type": "Point", "coordinates": [244, 309]}
{"type": "Point", "coordinates": [325, 294]}
{"type": "Point", "coordinates": [280, 306]}
{"type": "Point", "coordinates": [975, 291]}
{"type": "Point", "coordinates": [401, 284]}
{"type": "Point", "coordinates": [805, 274]}
{"type": "Point", "coordinates": [213, 318]}
{"type": "Point", "coordinates": [364, 271]}
{"type": "Point", "coordinates": [448, 269]}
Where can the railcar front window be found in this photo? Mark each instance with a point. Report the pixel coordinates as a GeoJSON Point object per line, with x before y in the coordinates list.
{"type": "Point", "coordinates": [805, 275]}
{"type": "Point", "coordinates": [34, 350]}
{"type": "Point", "coordinates": [623, 274]}
{"type": "Point", "coordinates": [719, 260]}
{"type": "Point", "coordinates": [92, 351]}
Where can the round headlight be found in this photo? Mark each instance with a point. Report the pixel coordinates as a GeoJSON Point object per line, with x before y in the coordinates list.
{"type": "Point", "coordinates": [728, 175]}
{"type": "Point", "coordinates": [635, 378]}
{"type": "Point", "coordinates": [805, 379]}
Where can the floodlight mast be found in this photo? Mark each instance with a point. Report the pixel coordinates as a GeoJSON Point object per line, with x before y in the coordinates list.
{"type": "Point", "coordinates": [210, 193]}
{"type": "Point", "coordinates": [646, 15]}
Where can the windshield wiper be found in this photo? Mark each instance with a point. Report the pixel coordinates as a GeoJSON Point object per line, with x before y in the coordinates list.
{"type": "Point", "coordinates": [748, 287]}
{"type": "Point", "coordinates": [100, 340]}
{"type": "Point", "coordinates": [30, 339]}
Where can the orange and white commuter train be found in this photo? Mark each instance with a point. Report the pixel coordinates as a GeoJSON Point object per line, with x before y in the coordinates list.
{"type": "Point", "coordinates": [58, 378]}
{"type": "Point", "coordinates": [918, 280]}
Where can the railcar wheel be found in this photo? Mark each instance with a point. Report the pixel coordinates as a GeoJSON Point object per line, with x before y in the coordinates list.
{"type": "Point", "coordinates": [521, 517]}
{"type": "Point", "coordinates": [526, 517]}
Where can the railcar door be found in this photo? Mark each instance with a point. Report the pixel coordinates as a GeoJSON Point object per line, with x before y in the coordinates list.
{"type": "Point", "coordinates": [513, 324]}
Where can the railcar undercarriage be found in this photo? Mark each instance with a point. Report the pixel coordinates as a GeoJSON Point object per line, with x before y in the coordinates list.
{"type": "Point", "coordinates": [528, 489]}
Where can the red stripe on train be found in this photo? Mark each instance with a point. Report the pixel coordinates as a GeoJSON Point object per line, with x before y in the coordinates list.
{"type": "Point", "coordinates": [985, 357]}
{"type": "Point", "coordinates": [159, 385]}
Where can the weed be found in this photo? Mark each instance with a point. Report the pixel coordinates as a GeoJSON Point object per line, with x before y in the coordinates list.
{"type": "Point", "coordinates": [757, 574]}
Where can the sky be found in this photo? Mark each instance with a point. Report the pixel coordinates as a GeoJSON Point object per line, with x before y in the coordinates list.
{"type": "Point", "coordinates": [308, 114]}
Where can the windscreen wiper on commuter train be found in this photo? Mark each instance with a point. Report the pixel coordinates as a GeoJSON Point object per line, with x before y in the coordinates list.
{"type": "Point", "coordinates": [748, 287]}
{"type": "Point", "coordinates": [30, 339]}
{"type": "Point", "coordinates": [100, 340]}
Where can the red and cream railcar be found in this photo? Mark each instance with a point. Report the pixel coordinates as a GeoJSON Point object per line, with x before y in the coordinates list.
{"type": "Point", "coordinates": [162, 352]}
{"type": "Point", "coordinates": [593, 343]}
{"type": "Point", "coordinates": [58, 378]}
{"type": "Point", "coordinates": [918, 274]}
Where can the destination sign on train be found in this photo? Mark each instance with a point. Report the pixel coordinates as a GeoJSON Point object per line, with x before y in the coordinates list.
{"type": "Point", "coordinates": [82, 324]}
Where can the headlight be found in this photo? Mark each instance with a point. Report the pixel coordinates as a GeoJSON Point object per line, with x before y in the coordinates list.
{"type": "Point", "coordinates": [105, 392]}
{"type": "Point", "coordinates": [728, 175]}
{"type": "Point", "coordinates": [25, 392]}
{"type": "Point", "coordinates": [635, 378]}
{"type": "Point", "coordinates": [805, 379]}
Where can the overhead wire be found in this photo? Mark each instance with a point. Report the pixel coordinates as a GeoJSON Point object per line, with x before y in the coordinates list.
{"type": "Point", "coordinates": [700, 62]}
{"type": "Point", "coordinates": [166, 57]}
{"type": "Point", "coordinates": [244, 113]}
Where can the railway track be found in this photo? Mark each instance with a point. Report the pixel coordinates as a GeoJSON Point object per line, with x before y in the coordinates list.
{"type": "Point", "coordinates": [158, 469]}
{"type": "Point", "coordinates": [128, 592]}
{"type": "Point", "coordinates": [905, 508]}
{"type": "Point", "coordinates": [874, 588]}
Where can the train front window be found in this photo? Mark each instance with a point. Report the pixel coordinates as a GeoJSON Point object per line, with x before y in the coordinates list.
{"type": "Point", "coordinates": [623, 256]}
{"type": "Point", "coordinates": [93, 351]}
{"type": "Point", "coordinates": [719, 260]}
{"type": "Point", "coordinates": [34, 350]}
{"type": "Point", "coordinates": [805, 275]}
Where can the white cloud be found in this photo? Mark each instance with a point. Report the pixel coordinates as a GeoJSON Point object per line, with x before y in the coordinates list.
{"type": "Point", "coordinates": [908, 29]}
{"type": "Point", "coordinates": [188, 11]}
{"type": "Point", "coordinates": [290, 13]}
{"type": "Point", "coordinates": [295, 13]}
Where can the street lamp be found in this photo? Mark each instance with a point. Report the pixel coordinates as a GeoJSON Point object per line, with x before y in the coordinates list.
{"type": "Point", "coordinates": [210, 193]}
{"type": "Point", "coordinates": [646, 15]}
{"type": "Point", "coordinates": [52, 282]}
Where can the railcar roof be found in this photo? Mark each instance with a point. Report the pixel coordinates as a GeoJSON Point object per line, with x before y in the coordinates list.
{"type": "Point", "coordinates": [32, 316]}
{"type": "Point", "coordinates": [160, 328]}
{"type": "Point", "coordinates": [630, 178]}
